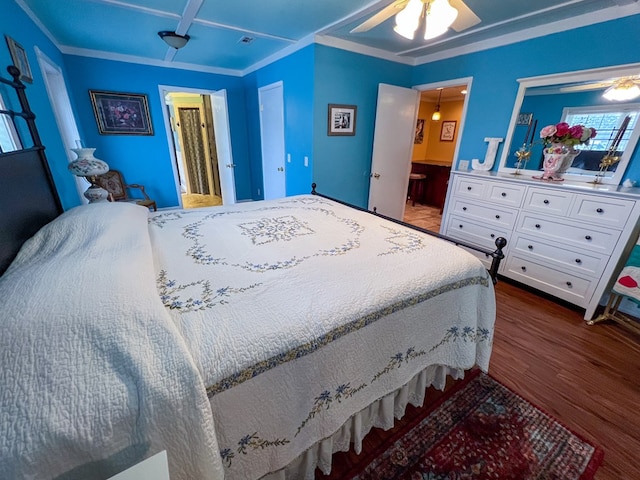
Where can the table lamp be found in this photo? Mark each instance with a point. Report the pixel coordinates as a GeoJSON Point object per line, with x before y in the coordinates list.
{"type": "Point", "coordinates": [88, 166]}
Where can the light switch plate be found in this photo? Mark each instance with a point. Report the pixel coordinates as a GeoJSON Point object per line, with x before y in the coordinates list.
{"type": "Point", "coordinates": [463, 165]}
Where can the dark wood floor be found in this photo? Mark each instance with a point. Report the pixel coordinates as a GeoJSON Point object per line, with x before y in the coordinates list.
{"type": "Point", "coordinates": [587, 377]}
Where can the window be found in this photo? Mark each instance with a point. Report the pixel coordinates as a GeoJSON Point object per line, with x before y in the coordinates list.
{"type": "Point", "coordinates": [607, 120]}
{"type": "Point", "coordinates": [9, 139]}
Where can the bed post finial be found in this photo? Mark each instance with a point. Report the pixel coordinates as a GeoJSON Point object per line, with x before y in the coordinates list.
{"type": "Point", "coordinates": [501, 242]}
{"type": "Point", "coordinates": [313, 189]}
{"type": "Point", "coordinates": [14, 72]}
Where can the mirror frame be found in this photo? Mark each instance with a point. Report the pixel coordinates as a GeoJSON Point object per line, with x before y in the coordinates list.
{"type": "Point", "coordinates": [594, 74]}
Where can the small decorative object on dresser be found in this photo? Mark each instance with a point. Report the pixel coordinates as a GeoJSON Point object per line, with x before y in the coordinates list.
{"type": "Point", "coordinates": [563, 240]}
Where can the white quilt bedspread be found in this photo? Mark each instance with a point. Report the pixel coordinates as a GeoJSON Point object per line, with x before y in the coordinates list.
{"type": "Point", "coordinates": [300, 312]}
{"type": "Point", "coordinates": [94, 375]}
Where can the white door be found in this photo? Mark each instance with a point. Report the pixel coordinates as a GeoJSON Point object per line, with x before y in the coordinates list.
{"type": "Point", "coordinates": [396, 116]}
{"type": "Point", "coordinates": [272, 140]}
{"type": "Point", "coordinates": [223, 146]}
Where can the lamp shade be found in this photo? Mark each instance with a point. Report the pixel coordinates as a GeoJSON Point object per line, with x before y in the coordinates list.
{"type": "Point", "coordinates": [173, 39]}
{"type": "Point", "coordinates": [86, 165]}
{"type": "Point", "coordinates": [439, 17]}
{"type": "Point", "coordinates": [408, 19]}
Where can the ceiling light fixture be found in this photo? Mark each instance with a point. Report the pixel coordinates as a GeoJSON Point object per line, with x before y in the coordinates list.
{"type": "Point", "coordinates": [436, 114]}
{"type": "Point", "coordinates": [439, 15]}
{"type": "Point", "coordinates": [623, 90]}
{"type": "Point", "coordinates": [173, 39]}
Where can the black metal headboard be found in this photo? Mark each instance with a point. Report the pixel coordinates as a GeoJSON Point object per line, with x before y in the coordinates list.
{"type": "Point", "coordinates": [28, 197]}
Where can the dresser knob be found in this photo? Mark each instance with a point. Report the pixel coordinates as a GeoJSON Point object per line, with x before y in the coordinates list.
{"type": "Point", "coordinates": [460, 225]}
{"type": "Point", "coordinates": [503, 194]}
{"type": "Point", "coordinates": [464, 209]}
{"type": "Point", "coordinates": [599, 210]}
{"type": "Point", "coordinates": [537, 225]}
{"type": "Point", "coordinates": [587, 237]}
{"type": "Point", "coordinates": [498, 217]}
{"type": "Point", "coordinates": [469, 188]}
{"type": "Point", "coordinates": [569, 284]}
{"type": "Point", "coordinates": [530, 247]}
{"type": "Point", "coordinates": [524, 269]}
{"type": "Point", "coordinates": [546, 202]}
{"type": "Point", "coordinates": [578, 260]}
{"type": "Point", "coordinates": [492, 235]}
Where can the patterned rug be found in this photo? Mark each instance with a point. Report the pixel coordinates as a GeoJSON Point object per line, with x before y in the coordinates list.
{"type": "Point", "coordinates": [483, 430]}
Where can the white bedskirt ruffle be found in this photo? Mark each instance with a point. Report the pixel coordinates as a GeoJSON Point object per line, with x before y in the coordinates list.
{"type": "Point", "coordinates": [380, 414]}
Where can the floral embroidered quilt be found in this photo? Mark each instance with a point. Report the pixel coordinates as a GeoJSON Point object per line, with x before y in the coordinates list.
{"type": "Point", "coordinates": [300, 312]}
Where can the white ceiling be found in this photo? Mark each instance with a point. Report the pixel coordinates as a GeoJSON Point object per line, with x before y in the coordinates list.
{"type": "Point", "coordinates": [127, 29]}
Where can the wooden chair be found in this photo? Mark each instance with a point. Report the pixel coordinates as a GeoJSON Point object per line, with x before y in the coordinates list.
{"type": "Point", "coordinates": [113, 183]}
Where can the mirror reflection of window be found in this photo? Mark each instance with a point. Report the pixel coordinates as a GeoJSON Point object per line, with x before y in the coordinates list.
{"type": "Point", "coordinates": [9, 139]}
{"type": "Point", "coordinates": [607, 120]}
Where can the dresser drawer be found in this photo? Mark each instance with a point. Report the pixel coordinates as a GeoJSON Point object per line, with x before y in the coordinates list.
{"type": "Point", "coordinates": [485, 213]}
{"type": "Point", "coordinates": [504, 194]}
{"type": "Point", "coordinates": [548, 201]}
{"type": "Point", "coordinates": [481, 235]}
{"type": "Point", "coordinates": [581, 262]}
{"type": "Point", "coordinates": [561, 284]}
{"type": "Point", "coordinates": [469, 188]}
{"type": "Point", "coordinates": [602, 211]}
{"type": "Point", "coordinates": [597, 239]}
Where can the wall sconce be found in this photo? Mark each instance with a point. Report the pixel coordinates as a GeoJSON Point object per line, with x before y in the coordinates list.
{"type": "Point", "coordinates": [173, 39]}
{"type": "Point", "coordinates": [436, 114]}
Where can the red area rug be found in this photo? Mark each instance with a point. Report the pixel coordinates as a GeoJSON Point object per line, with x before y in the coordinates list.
{"type": "Point", "coordinates": [482, 430]}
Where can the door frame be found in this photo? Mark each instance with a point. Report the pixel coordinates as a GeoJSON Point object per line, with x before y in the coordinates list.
{"type": "Point", "coordinates": [56, 86]}
{"type": "Point", "coordinates": [468, 81]}
{"type": "Point", "coordinates": [163, 89]}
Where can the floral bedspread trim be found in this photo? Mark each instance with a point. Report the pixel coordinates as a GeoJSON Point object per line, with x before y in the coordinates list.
{"type": "Point", "coordinates": [329, 397]}
{"type": "Point", "coordinates": [171, 294]}
{"type": "Point", "coordinates": [250, 441]}
{"type": "Point", "coordinates": [339, 332]}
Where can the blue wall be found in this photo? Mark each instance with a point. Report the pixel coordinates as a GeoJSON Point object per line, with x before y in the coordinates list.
{"type": "Point", "coordinates": [146, 159]}
{"type": "Point", "coordinates": [313, 78]}
{"type": "Point", "coordinates": [342, 165]}
{"type": "Point", "coordinates": [15, 23]}
{"type": "Point", "coordinates": [296, 73]}
{"type": "Point", "coordinates": [495, 73]}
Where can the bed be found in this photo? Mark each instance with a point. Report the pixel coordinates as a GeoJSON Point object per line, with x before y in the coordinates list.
{"type": "Point", "coordinates": [248, 341]}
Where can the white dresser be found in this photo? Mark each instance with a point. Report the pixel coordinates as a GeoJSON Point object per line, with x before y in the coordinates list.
{"type": "Point", "coordinates": [567, 239]}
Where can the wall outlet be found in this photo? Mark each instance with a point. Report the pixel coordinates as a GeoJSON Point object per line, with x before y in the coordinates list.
{"type": "Point", "coordinates": [288, 158]}
{"type": "Point", "coordinates": [258, 192]}
{"type": "Point", "coordinates": [306, 161]}
{"type": "Point", "coordinates": [463, 165]}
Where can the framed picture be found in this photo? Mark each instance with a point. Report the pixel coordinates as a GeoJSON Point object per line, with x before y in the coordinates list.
{"type": "Point", "coordinates": [419, 131]}
{"type": "Point", "coordinates": [524, 119]}
{"type": "Point", "coordinates": [342, 120]}
{"type": "Point", "coordinates": [121, 113]}
{"type": "Point", "coordinates": [448, 131]}
{"type": "Point", "coordinates": [20, 60]}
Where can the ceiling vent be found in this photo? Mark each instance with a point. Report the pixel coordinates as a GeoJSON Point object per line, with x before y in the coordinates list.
{"type": "Point", "coordinates": [246, 40]}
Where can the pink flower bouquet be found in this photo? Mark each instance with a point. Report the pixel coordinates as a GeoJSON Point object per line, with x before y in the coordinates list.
{"type": "Point", "coordinates": [567, 135]}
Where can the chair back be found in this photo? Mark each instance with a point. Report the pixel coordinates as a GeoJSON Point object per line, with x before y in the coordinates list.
{"type": "Point", "coordinates": [113, 183]}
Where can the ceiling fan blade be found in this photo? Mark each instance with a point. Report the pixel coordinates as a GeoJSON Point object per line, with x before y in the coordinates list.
{"type": "Point", "coordinates": [381, 16]}
{"type": "Point", "coordinates": [466, 18]}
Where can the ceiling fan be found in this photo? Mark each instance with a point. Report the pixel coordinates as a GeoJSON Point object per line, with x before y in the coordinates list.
{"type": "Point", "coordinates": [410, 12]}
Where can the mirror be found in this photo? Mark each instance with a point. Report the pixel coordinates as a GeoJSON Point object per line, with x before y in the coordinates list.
{"type": "Point", "coordinates": [574, 98]}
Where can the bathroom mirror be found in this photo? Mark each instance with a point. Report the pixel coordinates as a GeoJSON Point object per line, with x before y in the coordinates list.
{"type": "Point", "coordinates": [575, 98]}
